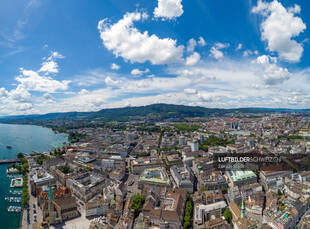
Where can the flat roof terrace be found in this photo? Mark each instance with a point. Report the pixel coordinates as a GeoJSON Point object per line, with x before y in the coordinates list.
{"type": "Point", "coordinates": [155, 175]}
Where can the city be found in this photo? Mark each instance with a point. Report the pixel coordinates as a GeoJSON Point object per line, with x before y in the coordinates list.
{"type": "Point", "coordinates": [154, 114]}
{"type": "Point", "coordinates": [146, 174]}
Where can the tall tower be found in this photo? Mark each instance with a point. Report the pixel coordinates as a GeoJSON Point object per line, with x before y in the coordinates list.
{"type": "Point", "coordinates": [50, 204]}
{"type": "Point", "coordinates": [50, 192]}
{"type": "Point", "coordinates": [242, 209]}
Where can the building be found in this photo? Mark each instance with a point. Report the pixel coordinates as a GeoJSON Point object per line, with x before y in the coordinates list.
{"type": "Point", "coordinates": [194, 145]}
{"type": "Point", "coordinates": [107, 163]}
{"type": "Point", "coordinates": [273, 176]}
{"type": "Point", "coordinates": [154, 177]}
{"type": "Point", "coordinates": [183, 177]}
{"type": "Point", "coordinates": [86, 185]}
{"type": "Point", "coordinates": [53, 163]}
{"type": "Point", "coordinates": [182, 141]}
{"type": "Point", "coordinates": [165, 210]}
{"type": "Point", "coordinates": [57, 210]}
{"type": "Point", "coordinates": [40, 178]}
{"type": "Point", "coordinates": [212, 180]}
{"type": "Point", "coordinates": [241, 177]}
{"type": "Point", "coordinates": [206, 212]}
{"type": "Point", "coordinates": [139, 165]}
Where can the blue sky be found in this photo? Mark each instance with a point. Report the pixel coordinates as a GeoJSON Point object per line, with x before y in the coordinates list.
{"type": "Point", "coordinates": [75, 55]}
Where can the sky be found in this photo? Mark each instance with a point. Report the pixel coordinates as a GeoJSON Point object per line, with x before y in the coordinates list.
{"type": "Point", "coordinates": [73, 55]}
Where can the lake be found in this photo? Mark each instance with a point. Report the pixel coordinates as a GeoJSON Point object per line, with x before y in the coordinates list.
{"type": "Point", "coordinates": [25, 139]}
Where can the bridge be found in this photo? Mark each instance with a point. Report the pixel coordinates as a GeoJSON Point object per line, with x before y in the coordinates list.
{"type": "Point", "coordinates": [9, 161]}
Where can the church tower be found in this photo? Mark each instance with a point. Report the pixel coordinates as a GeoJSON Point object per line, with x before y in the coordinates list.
{"type": "Point", "coordinates": [51, 211]}
{"type": "Point", "coordinates": [242, 209]}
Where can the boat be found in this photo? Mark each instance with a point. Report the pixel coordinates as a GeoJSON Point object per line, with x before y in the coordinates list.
{"type": "Point", "coordinates": [9, 147]}
{"type": "Point", "coordinates": [15, 192]}
{"type": "Point", "coordinates": [14, 209]}
{"type": "Point", "coordinates": [13, 199]}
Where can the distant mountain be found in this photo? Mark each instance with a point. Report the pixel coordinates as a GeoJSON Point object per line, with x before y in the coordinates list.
{"type": "Point", "coordinates": [154, 111]}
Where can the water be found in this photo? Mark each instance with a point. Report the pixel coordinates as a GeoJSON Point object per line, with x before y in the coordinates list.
{"type": "Point", "coordinates": [25, 139]}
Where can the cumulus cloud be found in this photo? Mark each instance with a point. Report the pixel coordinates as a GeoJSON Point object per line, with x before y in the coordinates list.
{"type": "Point", "coordinates": [217, 54]}
{"type": "Point", "coordinates": [239, 46]}
{"type": "Point", "coordinates": [20, 95]}
{"type": "Point", "coordinates": [249, 53]}
{"type": "Point", "coordinates": [3, 92]}
{"type": "Point", "coordinates": [138, 72]}
{"type": "Point", "coordinates": [83, 92]}
{"type": "Point", "coordinates": [55, 55]}
{"type": "Point", "coordinates": [49, 67]}
{"type": "Point", "coordinates": [227, 83]}
{"type": "Point", "coordinates": [273, 74]}
{"type": "Point", "coordinates": [278, 28]}
{"type": "Point", "coordinates": [32, 81]}
{"type": "Point", "coordinates": [115, 66]}
{"type": "Point", "coordinates": [110, 82]}
{"type": "Point", "coordinates": [191, 45]}
{"type": "Point", "coordinates": [124, 40]}
{"type": "Point", "coordinates": [216, 50]}
{"type": "Point", "coordinates": [24, 106]}
{"type": "Point", "coordinates": [193, 59]}
{"type": "Point", "coordinates": [190, 91]}
{"type": "Point", "coordinates": [22, 99]}
{"type": "Point", "coordinates": [168, 9]}
{"type": "Point", "coordinates": [201, 41]}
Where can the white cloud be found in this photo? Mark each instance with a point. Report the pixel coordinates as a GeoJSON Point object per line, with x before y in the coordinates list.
{"type": "Point", "coordinates": [22, 100]}
{"type": "Point", "coordinates": [115, 66]}
{"type": "Point", "coordinates": [48, 98]}
{"type": "Point", "coordinates": [201, 41]}
{"type": "Point", "coordinates": [262, 59]}
{"type": "Point", "coordinates": [3, 92]}
{"type": "Point", "coordinates": [239, 46]}
{"type": "Point", "coordinates": [168, 9]}
{"type": "Point", "coordinates": [278, 28]}
{"type": "Point", "coordinates": [110, 82]}
{"type": "Point", "coordinates": [249, 53]}
{"type": "Point", "coordinates": [137, 71]}
{"type": "Point", "coordinates": [49, 67]}
{"type": "Point", "coordinates": [216, 52]}
{"type": "Point", "coordinates": [191, 45]}
{"type": "Point", "coordinates": [32, 81]}
{"type": "Point", "coordinates": [124, 40]}
{"type": "Point", "coordinates": [190, 91]}
{"type": "Point", "coordinates": [193, 59]}
{"type": "Point", "coordinates": [24, 106]}
{"type": "Point", "coordinates": [273, 74]}
{"type": "Point", "coordinates": [83, 92]}
{"type": "Point", "coordinates": [55, 55]}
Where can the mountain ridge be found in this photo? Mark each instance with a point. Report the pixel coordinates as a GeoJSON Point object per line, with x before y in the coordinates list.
{"type": "Point", "coordinates": [157, 111]}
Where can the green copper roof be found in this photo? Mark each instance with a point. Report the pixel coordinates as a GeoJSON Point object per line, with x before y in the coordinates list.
{"type": "Point", "coordinates": [242, 209]}
{"type": "Point", "coordinates": [50, 192]}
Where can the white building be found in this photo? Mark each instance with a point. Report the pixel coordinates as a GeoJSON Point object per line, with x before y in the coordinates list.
{"type": "Point", "coordinates": [107, 163]}
{"type": "Point", "coordinates": [193, 145]}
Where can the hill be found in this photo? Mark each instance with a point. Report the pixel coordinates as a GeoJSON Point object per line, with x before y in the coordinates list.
{"type": "Point", "coordinates": [154, 112]}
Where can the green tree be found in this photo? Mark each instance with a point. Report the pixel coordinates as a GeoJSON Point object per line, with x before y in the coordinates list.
{"type": "Point", "coordinates": [137, 203]}
{"type": "Point", "coordinates": [20, 155]}
{"type": "Point", "coordinates": [187, 225]}
{"type": "Point", "coordinates": [228, 216]}
{"type": "Point", "coordinates": [25, 168]}
{"type": "Point", "coordinates": [188, 212]}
